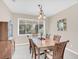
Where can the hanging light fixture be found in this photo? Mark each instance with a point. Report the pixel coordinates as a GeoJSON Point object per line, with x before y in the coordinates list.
{"type": "Point", "coordinates": [41, 13]}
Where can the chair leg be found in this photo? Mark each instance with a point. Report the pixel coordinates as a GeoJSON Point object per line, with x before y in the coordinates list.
{"type": "Point", "coordinates": [32, 54]}
{"type": "Point", "coordinates": [45, 56]}
{"type": "Point", "coordinates": [35, 56]}
{"type": "Point", "coordinates": [30, 50]}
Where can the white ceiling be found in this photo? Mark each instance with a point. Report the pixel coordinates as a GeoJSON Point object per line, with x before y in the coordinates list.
{"type": "Point", "coordinates": [30, 7]}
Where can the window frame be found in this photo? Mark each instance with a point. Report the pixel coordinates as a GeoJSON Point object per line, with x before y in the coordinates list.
{"type": "Point", "coordinates": [38, 22]}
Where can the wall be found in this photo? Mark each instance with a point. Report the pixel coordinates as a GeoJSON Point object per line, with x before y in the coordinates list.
{"type": "Point", "coordinates": [71, 15]}
{"type": "Point", "coordinates": [4, 12]}
{"type": "Point", "coordinates": [21, 39]}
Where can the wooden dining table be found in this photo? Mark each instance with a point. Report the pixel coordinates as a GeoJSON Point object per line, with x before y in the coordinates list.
{"type": "Point", "coordinates": [43, 44]}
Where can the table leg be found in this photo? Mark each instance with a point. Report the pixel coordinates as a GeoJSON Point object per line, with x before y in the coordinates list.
{"type": "Point", "coordinates": [38, 53]}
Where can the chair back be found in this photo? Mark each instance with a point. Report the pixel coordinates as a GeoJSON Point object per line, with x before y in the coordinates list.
{"type": "Point", "coordinates": [30, 43]}
{"type": "Point", "coordinates": [33, 46]}
{"type": "Point", "coordinates": [57, 38]}
{"type": "Point", "coordinates": [58, 51]}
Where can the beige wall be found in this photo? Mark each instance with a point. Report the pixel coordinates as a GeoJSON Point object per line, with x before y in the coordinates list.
{"type": "Point", "coordinates": [71, 15]}
{"type": "Point", "coordinates": [4, 12]}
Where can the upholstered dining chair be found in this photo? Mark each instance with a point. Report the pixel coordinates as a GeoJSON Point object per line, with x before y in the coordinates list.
{"type": "Point", "coordinates": [58, 51]}
{"type": "Point", "coordinates": [34, 51]}
{"type": "Point", "coordinates": [57, 38]}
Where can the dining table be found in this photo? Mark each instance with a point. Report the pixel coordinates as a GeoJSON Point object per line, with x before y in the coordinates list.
{"type": "Point", "coordinates": [43, 44]}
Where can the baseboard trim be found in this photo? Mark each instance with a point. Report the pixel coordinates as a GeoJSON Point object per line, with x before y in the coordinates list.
{"type": "Point", "coordinates": [70, 50]}
{"type": "Point", "coordinates": [22, 44]}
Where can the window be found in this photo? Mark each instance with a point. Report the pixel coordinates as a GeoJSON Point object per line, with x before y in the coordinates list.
{"type": "Point", "coordinates": [30, 26]}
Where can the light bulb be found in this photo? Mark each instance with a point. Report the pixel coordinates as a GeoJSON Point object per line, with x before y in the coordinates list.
{"type": "Point", "coordinates": [44, 17]}
{"type": "Point", "coordinates": [40, 16]}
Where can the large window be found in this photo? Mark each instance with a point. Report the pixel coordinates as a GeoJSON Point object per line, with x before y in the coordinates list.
{"type": "Point", "coordinates": [30, 26]}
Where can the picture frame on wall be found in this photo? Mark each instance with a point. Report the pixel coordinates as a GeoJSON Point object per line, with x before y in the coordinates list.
{"type": "Point", "coordinates": [61, 25]}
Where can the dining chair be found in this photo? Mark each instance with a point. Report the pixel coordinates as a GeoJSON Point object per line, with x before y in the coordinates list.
{"type": "Point", "coordinates": [58, 51]}
{"type": "Point", "coordinates": [34, 50]}
{"type": "Point", "coordinates": [57, 38]}
{"type": "Point", "coordinates": [30, 45]}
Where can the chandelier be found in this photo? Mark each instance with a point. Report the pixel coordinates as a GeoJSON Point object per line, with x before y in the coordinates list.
{"type": "Point", "coordinates": [41, 13]}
